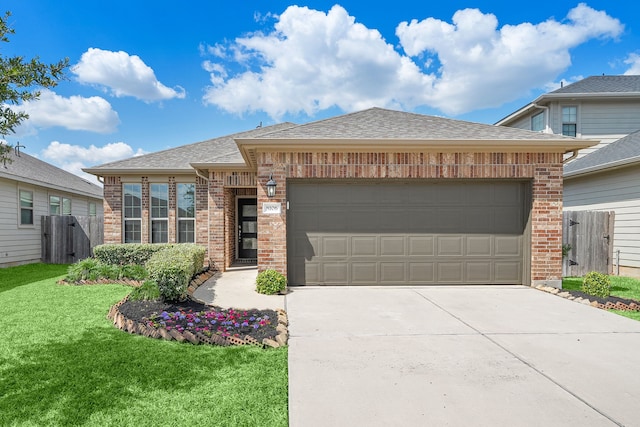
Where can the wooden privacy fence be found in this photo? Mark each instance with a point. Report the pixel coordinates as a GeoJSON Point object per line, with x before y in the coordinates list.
{"type": "Point", "coordinates": [590, 237]}
{"type": "Point", "coordinates": [67, 239]}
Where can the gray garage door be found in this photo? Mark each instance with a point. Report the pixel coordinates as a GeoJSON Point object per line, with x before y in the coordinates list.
{"type": "Point", "coordinates": [398, 233]}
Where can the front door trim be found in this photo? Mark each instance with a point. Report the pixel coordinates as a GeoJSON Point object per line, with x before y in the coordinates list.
{"type": "Point", "coordinates": [237, 230]}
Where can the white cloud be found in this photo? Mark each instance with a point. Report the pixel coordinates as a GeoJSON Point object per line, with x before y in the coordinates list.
{"type": "Point", "coordinates": [73, 158]}
{"type": "Point", "coordinates": [123, 75]}
{"type": "Point", "coordinates": [76, 113]}
{"type": "Point", "coordinates": [634, 61]}
{"type": "Point", "coordinates": [314, 60]}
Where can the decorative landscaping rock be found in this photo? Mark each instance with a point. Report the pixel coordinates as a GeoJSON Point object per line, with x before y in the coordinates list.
{"type": "Point", "coordinates": [611, 303]}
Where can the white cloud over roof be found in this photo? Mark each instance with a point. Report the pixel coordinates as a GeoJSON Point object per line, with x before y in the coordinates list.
{"type": "Point", "coordinates": [314, 60]}
{"type": "Point", "coordinates": [122, 75]}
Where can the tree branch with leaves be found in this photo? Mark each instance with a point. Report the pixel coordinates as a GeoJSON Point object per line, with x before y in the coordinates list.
{"type": "Point", "coordinates": [20, 80]}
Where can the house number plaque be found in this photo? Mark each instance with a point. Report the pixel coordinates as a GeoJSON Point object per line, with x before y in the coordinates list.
{"type": "Point", "coordinates": [271, 208]}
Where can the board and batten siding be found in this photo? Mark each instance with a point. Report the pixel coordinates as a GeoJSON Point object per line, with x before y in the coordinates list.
{"type": "Point", "coordinates": [617, 191]}
{"type": "Point", "coordinates": [22, 244]}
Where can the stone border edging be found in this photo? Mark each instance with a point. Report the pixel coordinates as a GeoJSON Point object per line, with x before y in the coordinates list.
{"type": "Point", "coordinates": [123, 323]}
{"type": "Point", "coordinates": [593, 303]}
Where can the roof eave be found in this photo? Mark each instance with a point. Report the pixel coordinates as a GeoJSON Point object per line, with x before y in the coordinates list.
{"type": "Point", "coordinates": [141, 171]}
{"type": "Point", "coordinates": [602, 167]}
{"type": "Point", "coordinates": [51, 186]}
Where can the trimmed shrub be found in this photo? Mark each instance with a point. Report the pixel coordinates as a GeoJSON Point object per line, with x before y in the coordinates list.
{"type": "Point", "coordinates": [148, 291]}
{"type": "Point", "coordinates": [270, 282]}
{"type": "Point", "coordinates": [128, 253]}
{"type": "Point", "coordinates": [596, 284]}
{"type": "Point", "coordinates": [93, 269]}
{"type": "Point", "coordinates": [173, 268]}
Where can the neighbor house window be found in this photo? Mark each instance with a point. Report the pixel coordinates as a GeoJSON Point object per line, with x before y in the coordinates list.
{"type": "Point", "coordinates": [186, 200]}
{"type": "Point", "coordinates": [132, 212]}
{"type": "Point", "coordinates": [570, 121]}
{"type": "Point", "coordinates": [26, 207]}
{"type": "Point", "coordinates": [159, 213]}
{"type": "Point", "coordinates": [537, 122]}
{"type": "Point", "coordinates": [92, 209]}
{"type": "Point", "coordinates": [59, 205]}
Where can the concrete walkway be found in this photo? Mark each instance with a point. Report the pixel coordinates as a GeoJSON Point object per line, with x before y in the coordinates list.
{"type": "Point", "coordinates": [236, 288]}
{"type": "Point", "coordinates": [458, 356]}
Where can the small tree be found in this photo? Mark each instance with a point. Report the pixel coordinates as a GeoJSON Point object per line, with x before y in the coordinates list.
{"type": "Point", "coordinates": [18, 79]}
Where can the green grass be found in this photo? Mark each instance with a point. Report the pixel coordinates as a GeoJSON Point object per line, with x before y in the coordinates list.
{"type": "Point", "coordinates": [622, 287]}
{"type": "Point", "coordinates": [63, 363]}
{"type": "Point", "coordinates": [13, 277]}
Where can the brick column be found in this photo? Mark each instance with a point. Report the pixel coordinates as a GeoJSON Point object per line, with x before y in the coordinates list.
{"type": "Point", "coordinates": [202, 214]}
{"type": "Point", "coordinates": [112, 209]}
{"type": "Point", "coordinates": [145, 226]}
{"type": "Point", "coordinates": [173, 224]}
{"type": "Point", "coordinates": [272, 228]}
{"type": "Point", "coordinates": [216, 220]}
{"type": "Point", "coordinates": [546, 226]}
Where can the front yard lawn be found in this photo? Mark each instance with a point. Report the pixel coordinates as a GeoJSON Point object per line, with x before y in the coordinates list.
{"type": "Point", "coordinates": [63, 363]}
{"type": "Point", "coordinates": [623, 287]}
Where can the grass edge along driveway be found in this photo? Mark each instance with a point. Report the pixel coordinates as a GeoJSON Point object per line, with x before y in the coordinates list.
{"type": "Point", "coordinates": [63, 363]}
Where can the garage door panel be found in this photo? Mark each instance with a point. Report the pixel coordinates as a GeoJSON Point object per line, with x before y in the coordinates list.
{"type": "Point", "coordinates": [421, 272]}
{"type": "Point", "coordinates": [335, 246]}
{"type": "Point", "coordinates": [335, 273]}
{"type": "Point", "coordinates": [364, 246]}
{"type": "Point", "coordinates": [364, 273]}
{"type": "Point", "coordinates": [478, 272]}
{"type": "Point", "coordinates": [406, 233]}
{"type": "Point", "coordinates": [392, 246]}
{"type": "Point", "coordinates": [392, 273]}
{"type": "Point", "coordinates": [479, 246]}
{"type": "Point", "coordinates": [421, 246]}
{"type": "Point", "coordinates": [450, 272]}
{"type": "Point", "coordinates": [508, 246]}
{"type": "Point", "coordinates": [450, 246]}
{"type": "Point", "coordinates": [508, 271]}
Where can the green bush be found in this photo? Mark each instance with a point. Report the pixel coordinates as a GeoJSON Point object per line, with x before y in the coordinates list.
{"type": "Point", "coordinates": [133, 272]}
{"type": "Point", "coordinates": [270, 282]}
{"type": "Point", "coordinates": [128, 253]}
{"type": "Point", "coordinates": [82, 270]}
{"type": "Point", "coordinates": [148, 291]}
{"type": "Point", "coordinates": [173, 268]}
{"type": "Point", "coordinates": [596, 284]}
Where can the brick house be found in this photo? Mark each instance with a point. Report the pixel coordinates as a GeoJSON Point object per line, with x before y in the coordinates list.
{"type": "Point", "coordinates": [373, 197]}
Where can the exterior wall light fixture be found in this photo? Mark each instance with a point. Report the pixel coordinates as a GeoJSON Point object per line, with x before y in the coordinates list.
{"type": "Point", "coordinates": [271, 187]}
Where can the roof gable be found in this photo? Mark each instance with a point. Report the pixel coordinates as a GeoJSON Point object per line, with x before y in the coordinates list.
{"type": "Point", "coordinates": [26, 168]}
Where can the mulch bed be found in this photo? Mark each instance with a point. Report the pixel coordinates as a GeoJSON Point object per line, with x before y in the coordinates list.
{"type": "Point", "coordinates": [610, 303]}
{"type": "Point", "coordinates": [143, 311]}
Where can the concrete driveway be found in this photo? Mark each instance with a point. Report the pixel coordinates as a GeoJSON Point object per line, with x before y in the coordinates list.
{"type": "Point", "coordinates": [454, 356]}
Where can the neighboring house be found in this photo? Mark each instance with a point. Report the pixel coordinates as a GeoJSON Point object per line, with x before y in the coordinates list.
{"type": "Point", "coordinates": [29, 189]}
{"type": "Point", "coordinates": [605, 108]}
{"type": "Point", "coordinates": [373, 197]}
{"type": "Point", "coordinates": [605, 176]}
{"type": "Point", "coordinates": [609, 180]}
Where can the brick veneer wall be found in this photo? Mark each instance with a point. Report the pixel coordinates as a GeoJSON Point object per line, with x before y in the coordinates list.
{"type": "Point", "coordinates": [112, 193]}
{"type": "Point", "coordinates": [544, 170]}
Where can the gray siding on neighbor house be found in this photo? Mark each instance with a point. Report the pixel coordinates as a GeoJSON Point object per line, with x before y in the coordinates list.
{"type": "Point", "coordinates": [22, 244]}
{"type": "Point", "coordinates": [616, 191]}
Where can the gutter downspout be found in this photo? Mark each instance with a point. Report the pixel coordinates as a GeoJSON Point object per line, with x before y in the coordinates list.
{"type": "Point", "coordinates": [546, 117]}
{"type": "Point", "coordinates": [574, 154]}
{"type": "Point", "coordinates": [206, 178]}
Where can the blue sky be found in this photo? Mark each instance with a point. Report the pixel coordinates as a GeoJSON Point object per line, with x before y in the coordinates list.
{"type": "Point", "coordinates": [150, 75]}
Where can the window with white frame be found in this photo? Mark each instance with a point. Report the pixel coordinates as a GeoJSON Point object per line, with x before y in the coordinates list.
{"type": "Point", "coordinates": [26, 207]}
{"type": "Point", "coordinates": [537, 122]}
{"type": "Point", "coordinates": [92, 209]}
{"type": "Point", "coordinates": [159, 213]}
{"type": "Point", "coordinates": [186, 217]}
{"type": "Point", "coordinates": [570, 121]}
{"type": "Point", "coordinates": [132, 212]}
{"type": "Point", "coordinates": [59, 205]}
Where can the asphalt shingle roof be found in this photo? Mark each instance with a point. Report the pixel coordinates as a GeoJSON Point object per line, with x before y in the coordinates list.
{"type": "Point", "coordinates": [219, 150]}
{"type": "Point", "coordinates": [378, 123]}
{"type": "Point", "coordinates": [26, 168]}
{"type": "Point", "coordinates": [624, 149]}
{"type": "Point", "coordinates": [603, 84]}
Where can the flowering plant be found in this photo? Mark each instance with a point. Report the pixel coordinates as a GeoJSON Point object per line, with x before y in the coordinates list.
{"type": "Point", "coordinates": [231, 322]}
